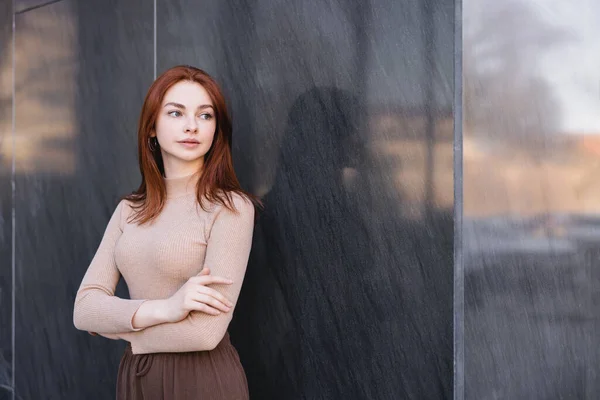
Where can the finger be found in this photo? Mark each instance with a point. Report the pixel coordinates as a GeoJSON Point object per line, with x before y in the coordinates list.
{"type": "Point", "coordinates": [211, 280]}
{"type": "Point", "coordinates": [212, 302]}
{"type": "Point", "coordinates": [216, 294]}
{"type": "Point", "coordinates": [203, 307]}
{"type": "Point", "coordinates": [205, 272]}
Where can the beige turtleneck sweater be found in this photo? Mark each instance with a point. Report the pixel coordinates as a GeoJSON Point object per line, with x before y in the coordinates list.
{"type": "Point", "coordinates": [156, 259]}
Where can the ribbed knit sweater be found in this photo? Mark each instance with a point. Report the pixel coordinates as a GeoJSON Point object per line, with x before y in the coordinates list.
{"type": "Point", "coordinates": [156, 259]}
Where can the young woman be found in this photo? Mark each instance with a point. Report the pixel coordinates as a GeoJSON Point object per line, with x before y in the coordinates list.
{"type": "Point", "coordinates": [181, 242]}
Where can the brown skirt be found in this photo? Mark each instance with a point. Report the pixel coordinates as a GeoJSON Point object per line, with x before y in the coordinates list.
{"type": "Point", "coordinates": [201, 375]}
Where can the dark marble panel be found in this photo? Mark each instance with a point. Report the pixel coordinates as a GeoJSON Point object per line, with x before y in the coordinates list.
{"type": "Point", "coordinates": [82, 71]}
{"type": "Point", "coordinates": [6, 203]}
{"type": "Point", "coordinates": [343, 125]}
{"type": "Point", "coordinates": [531, 199]}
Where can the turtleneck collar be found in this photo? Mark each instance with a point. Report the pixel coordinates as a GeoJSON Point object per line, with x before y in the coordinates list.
{"type": "Point", "coordinates": [181, 186]}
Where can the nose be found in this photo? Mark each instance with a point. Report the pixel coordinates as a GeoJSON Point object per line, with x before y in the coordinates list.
{"type": "Point", "coordinates": [191, 126]}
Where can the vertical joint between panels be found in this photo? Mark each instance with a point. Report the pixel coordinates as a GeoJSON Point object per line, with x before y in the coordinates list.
{"type": "Point", "coordinates": [459, 314]}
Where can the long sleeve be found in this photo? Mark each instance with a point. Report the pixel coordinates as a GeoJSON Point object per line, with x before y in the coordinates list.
{"type": "Point", "coordinates": [97, 309]}
{"type": "Point", "coordinates": [227, 252]}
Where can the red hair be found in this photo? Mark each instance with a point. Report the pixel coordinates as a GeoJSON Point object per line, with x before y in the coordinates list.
{"type": "Point", "coordinates": [217, 181]}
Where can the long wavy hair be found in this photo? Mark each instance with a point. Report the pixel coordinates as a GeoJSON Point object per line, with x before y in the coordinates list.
{"type": "Point", "coordinates": [217, 181]}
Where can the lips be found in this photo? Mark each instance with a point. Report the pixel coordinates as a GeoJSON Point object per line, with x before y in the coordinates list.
{"type": "Point", "coordinates": [189, 141]}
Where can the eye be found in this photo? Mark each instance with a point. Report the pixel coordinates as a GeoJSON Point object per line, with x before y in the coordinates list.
{"type": "Point", "coordinates": [206, 116]}
{"type": "Point", "coordinates": [174, 113]}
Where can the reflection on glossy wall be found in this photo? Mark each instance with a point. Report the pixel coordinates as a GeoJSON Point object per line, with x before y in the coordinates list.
{"type": "Point", "coordinates": [80, 77]}
{"type": "Point", "coordinates": [343, 124]}
{"type": "Point", "coordinates": [531, 198]}
{"type": "Point", "coordinates": [343, 121]}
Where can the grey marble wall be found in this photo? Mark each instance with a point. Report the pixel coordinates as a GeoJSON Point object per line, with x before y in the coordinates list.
{"type": "Point", "coordinates": [343, 124]}
{"type": "Point", "coordinates": [343, 118]}
{"type": "Point", "coordinates": [6, 203]}
{"type": "Point", "coordinates": [531, 199]}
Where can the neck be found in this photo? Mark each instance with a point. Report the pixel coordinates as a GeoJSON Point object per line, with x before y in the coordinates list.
{"type": "Point", "coordinates": [183, 185]}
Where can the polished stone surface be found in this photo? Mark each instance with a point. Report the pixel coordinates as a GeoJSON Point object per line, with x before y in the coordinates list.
{"type": "Point", "coordinates": [6, 203]}
{"type": "Point", "coordinates": [82, 71]}
{"type": "Point", "coordinates": [531, 199]}
{"type": "Point", "coordinates": [343, 125]}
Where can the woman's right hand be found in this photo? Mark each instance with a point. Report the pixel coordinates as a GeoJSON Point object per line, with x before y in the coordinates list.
{"type": "Point", "coordinates": [195, 295]}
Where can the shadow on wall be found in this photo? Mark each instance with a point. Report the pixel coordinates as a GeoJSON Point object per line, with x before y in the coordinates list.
{"type": "Point", "coordinates": [340, 298]}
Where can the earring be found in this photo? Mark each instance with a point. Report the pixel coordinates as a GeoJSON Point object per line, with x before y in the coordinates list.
{"type": "Point", "coordinates": [152, 143]}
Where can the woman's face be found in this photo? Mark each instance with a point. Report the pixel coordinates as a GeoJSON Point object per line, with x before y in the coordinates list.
{"type": "Point", "coordinates": [185, 127]}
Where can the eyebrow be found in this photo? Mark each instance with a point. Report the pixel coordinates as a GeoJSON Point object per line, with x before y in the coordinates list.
{"type": "Point", "coordinates": [182, 107]}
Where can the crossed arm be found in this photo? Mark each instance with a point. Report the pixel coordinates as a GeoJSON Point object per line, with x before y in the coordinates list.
{"type": "Point", "coordinates": [97, 309]}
